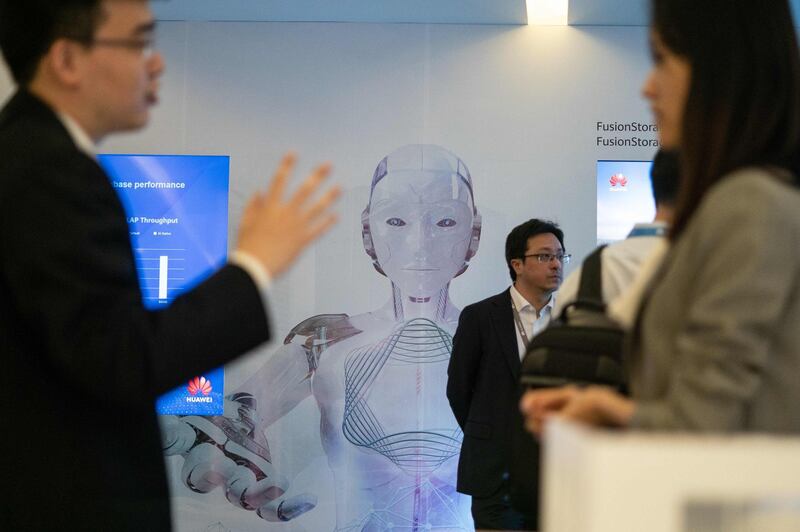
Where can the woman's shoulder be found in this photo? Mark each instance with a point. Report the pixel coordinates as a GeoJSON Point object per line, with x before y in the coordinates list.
{"type": "Point", "coordinates": [753, 190]}
{"type": "Point", "coordinates": [747, 204]}
{"type": "Point", "coordinates": [758, 183]}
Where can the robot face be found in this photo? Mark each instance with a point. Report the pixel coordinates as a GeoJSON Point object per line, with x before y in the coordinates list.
{"type": "Point", "coordinates": [421, 225]}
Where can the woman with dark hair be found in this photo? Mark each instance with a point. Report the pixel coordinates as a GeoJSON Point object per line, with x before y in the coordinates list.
{"type": "Point", "coordinates": [716, 346]}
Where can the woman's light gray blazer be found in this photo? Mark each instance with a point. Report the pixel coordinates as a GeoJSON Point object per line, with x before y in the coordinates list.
{"type": "Point", "coordinates": [717, 345]}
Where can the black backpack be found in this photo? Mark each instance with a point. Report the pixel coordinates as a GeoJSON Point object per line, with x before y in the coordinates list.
{"type": "Point", "coordinates": [582, 345]}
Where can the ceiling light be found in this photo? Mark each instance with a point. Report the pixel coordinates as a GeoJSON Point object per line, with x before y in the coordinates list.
{"type": "Point", "coordinates": [548, 12]}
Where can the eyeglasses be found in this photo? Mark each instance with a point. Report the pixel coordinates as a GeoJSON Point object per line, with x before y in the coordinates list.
{"type": "Point", "coordinates": [146, 47]}
{"type": "Point", "coordinates": [547, 257]}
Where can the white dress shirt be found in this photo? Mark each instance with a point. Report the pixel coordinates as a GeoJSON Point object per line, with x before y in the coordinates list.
{"type": "Point", "coordinates": [531, 322]}
{"type": "Point", "coordinates": [623, 263]}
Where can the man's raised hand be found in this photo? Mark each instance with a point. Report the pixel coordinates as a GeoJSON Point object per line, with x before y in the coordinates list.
{"type": "Point", "coordinates": [274, 229]}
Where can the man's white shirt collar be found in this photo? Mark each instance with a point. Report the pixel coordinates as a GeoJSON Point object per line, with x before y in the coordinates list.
{"type": "Point", "coordinates": [78, 135]}
{"type": "Point", "coordinates": [521, 303]}
{"type": "Point", "coordinates": [532, 324]}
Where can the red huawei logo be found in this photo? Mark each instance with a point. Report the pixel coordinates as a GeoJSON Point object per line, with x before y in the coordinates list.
{"type": "Point", "coordinates": [199, 384]}
{"type": "Point", "coordinates": [618, 180]}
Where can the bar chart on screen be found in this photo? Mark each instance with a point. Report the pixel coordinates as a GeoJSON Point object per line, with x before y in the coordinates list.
{"type": "Point", "coordinates": [162, 273]}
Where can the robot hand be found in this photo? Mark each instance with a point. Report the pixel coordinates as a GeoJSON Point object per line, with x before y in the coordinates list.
{"type": "Point", "coordinates": [222, 451]}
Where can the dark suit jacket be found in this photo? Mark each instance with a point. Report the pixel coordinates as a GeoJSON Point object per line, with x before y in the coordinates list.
{"type": "Point", "coordinates": [483, 391]}
{"type": "Point", "coordinates": [82, 360]}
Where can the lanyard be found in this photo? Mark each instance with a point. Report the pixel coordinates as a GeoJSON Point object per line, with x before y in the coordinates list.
{"type": "Point", "coordinates": [520, 327]}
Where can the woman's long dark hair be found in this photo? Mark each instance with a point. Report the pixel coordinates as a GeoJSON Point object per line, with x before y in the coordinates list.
{"type": "Point", "coordinates": [743, 105]}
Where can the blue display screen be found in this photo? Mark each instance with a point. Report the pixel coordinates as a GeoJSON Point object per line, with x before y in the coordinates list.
{"type": "Point", "coordinates": [177, 209]}
{"type": "Point", "coordinates": [624, 198]}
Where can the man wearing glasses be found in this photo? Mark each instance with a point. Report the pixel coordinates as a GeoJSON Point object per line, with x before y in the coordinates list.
{"type": "Point", "coordinates": [83, 361]}
{"type": "Point", "coordinates": [483, 374]}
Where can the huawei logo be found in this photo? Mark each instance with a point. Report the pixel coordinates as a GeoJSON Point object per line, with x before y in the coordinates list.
{"type": "Point", "coordinates": [618, 180]}
{"type": "Point", "coordinates": [199, 384]}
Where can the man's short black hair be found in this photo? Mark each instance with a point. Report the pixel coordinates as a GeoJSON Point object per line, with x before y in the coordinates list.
{"type": "Point", "coordinates": [517, 239]}
{"type": "Point", "coordinates": [665, 177]}
{"type": "Point", "coordinates": [28, 28]}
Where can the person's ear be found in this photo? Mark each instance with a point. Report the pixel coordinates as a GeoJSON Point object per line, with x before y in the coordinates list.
{"type": "Point", "coordinates": [65, 61]}
{"type": "Point", "coordinates": [517, 265]}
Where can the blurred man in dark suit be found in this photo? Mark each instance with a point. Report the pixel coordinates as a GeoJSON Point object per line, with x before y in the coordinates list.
{"type": "Point", "coordinates": [83, 359]}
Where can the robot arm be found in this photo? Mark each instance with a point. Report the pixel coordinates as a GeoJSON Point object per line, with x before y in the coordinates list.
{"type": "Point", "coordinates": [279, 384]}
{"type": "Point", "coordinates": [285, 379]}
{"type": "Point", "coordinates": [223, 451]}
{"type": "Point", "coordinates": [231, 451]}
